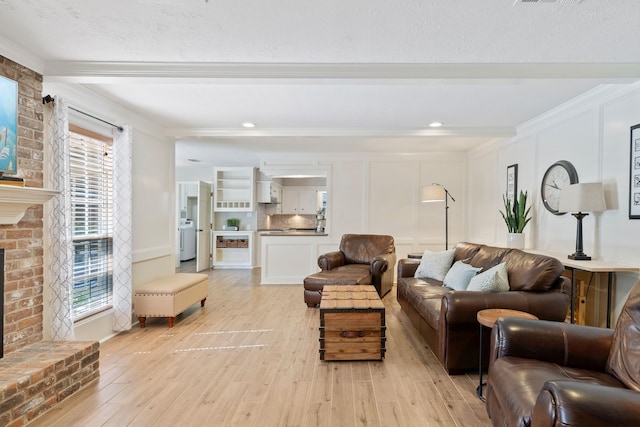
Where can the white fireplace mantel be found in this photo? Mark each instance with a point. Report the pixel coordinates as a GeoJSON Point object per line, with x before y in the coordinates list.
{"type": "Point", "coordinates": [14, 201]}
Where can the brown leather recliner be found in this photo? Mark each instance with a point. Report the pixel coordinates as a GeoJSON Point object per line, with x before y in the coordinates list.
{"type": "Point", "coordinates": [557, 374]}
{"type": "Point", "coordinates": [359, 256]}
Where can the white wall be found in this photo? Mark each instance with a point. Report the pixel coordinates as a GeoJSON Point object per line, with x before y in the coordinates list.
{"type": "Point", "coordinates": [194, 173]}
{"type": "Point", "coordinates": [379, 194]}
{"type": "Point", "coordinates": [592, 132]}
{"type": "Point", "coordinates": [153, 196]}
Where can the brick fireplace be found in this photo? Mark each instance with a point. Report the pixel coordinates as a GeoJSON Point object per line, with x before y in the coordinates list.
{"type": "Point", "coordinates": [35, 375]}
{"type": "Point", "coordinates": [22, 242]}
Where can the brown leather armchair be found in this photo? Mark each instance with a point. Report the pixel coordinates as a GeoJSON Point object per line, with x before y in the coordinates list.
{"type": "Point", "coordinates": [545, 373]}
{"type": "Point", "coordinates": [369, 254]}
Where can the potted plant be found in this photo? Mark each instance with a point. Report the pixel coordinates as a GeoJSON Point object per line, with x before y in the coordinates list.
{"type": "Point", "coordinates": [516, 216]}
{"type": "Point", "coordinates": [233, 224]}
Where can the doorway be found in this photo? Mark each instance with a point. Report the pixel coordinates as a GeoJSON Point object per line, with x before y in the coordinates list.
{"type": "Point", "coordinates": [193, 240]}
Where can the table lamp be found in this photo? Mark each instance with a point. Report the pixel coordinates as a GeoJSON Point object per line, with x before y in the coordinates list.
{"type": "Point", "coordinates": [579, 199]}
{"type": "Point", "coordinates": [437, 193]}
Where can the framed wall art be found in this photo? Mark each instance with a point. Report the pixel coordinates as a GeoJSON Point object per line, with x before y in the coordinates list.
{"type": "Point", "coordinates": [512, 182]}
{"type": "Point", "coordinates": [8, 125]}
{"type": "Point", "coordinates": [634, 174]}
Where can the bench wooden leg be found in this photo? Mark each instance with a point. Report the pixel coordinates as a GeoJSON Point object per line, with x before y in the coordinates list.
{"type": "Point", "coordinates": [202, 302]}
{"type": "Point", "coordinates": [142, 320]}
{"type": "Point", "coordinates": [171, 321]}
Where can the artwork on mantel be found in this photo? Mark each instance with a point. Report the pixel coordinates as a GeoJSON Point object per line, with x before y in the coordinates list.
{"type": "Point", "coordinates": [512, 182]}
{"type": "Point", "coordinates": [634, 174]}
{"type": "Point", "coordinates": [8, 125]}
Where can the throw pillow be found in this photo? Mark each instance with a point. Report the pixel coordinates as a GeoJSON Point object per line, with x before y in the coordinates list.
{"type": "Point", "coordinates": [458, 277]}
{"type": "Point", "coordinates": [494, 279]}
{"type": "Point", "coordinates": [434, 265]}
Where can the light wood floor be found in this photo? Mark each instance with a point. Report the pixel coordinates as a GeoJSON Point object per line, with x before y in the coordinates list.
{"type": "Point", "coordinates": [250, 358]}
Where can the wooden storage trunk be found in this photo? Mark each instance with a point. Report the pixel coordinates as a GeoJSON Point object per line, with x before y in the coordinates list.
{"type": "Point", "coordinates": [352, 323]}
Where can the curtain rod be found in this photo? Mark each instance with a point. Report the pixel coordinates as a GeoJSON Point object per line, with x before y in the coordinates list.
{"type": "Point", "coordinates": [48, 98]}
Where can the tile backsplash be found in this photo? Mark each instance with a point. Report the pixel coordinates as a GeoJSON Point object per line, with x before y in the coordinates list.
{"type": "Point", "coordinates": [286, 221]}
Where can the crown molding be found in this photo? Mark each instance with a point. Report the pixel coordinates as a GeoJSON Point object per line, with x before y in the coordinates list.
{"type": "Point", "coordinates": [101, 72]}
{"type": "Point", "coordinates": [20, 55]}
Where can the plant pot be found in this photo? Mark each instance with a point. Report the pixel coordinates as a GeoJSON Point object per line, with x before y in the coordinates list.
{"type": "Point", "coordinates": [515, 240]}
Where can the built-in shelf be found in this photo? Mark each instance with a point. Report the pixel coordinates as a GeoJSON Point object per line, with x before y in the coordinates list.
{"type": "Point", "coordinates": [14, 201]}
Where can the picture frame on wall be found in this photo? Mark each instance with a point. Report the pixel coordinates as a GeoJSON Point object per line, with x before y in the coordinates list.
{"type": "Point", "coordinates": [634, 173]}
{"type": "Point", "coordinates": [512, 182]}
{"type": "Point", "coordinates": [8, 125]}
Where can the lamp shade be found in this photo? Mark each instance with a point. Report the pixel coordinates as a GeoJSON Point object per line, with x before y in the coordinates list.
{"type": "Point", "coordinates": [582, 197]}
{"type": "Point", "coordinates": [433, 193]}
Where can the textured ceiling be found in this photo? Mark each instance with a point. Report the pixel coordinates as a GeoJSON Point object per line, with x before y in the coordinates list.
{"type": "Point", "coordinates": [411, 31]}
{"type": "Point", "coordinates": [327, 76]}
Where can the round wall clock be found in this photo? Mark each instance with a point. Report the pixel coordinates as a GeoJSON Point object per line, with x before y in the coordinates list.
{"type": "Point", "coordinates": [560, 175]}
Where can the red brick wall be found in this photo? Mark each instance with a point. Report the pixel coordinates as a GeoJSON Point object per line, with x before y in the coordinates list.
{"type": "Point", "coordinates": [23, 242]}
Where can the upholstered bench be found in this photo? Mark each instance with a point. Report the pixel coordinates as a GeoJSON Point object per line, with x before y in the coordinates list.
{"type": "Point", "coordinates": [314, 283]}
{"type": "Point", "coordinates": [170, 296]}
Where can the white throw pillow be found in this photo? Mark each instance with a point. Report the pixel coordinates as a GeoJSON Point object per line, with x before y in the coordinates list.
{"type": "Point", "coordinates": [434, 265]}
{"type": "Point", "coordinates": [494, 279]}
{"type": "Point", "coordinates": [459, 275]}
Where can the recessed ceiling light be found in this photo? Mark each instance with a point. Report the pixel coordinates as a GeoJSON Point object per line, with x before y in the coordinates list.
{"type": "Point", "coordinates": [435, 124]}
{"type": "Point", "coordinates": [248, 125]}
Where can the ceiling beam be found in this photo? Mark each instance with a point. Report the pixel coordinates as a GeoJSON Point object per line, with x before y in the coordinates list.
{"type": "Point", "coordinates": [104, 72]}
{"type": "Point", "coordinates": [491, 132]}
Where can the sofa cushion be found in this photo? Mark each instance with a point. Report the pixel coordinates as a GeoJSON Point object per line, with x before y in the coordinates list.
{"type": "Point", "coordinates": [624, 359]}
{"type": "Point", "coordinates": [494, 279]}
{"type": "Point", "coordinates": [435, 265]}
{"type": "Point", "coordinates": [459, 275]}
{"type": "Point", "coordinates": [530, 272]}
{"type": "Point", "coordinates": [360, 268]}
{"type": "Point", "coordinates": [488, 256]}
{"type": "Point", "coordinates": [465, 251]}
{"type": "Point", "coordinates": [425, 296]}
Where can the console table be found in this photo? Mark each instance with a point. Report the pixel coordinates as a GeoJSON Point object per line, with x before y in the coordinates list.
{"type": "Point", "coordinates": [591, 266]}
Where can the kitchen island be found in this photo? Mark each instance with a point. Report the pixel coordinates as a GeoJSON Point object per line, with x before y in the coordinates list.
{"type": "Point", "coordinates": [288, 256]}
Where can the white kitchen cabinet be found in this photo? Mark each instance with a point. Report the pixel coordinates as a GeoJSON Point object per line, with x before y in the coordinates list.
{"type": "Point", "coordinates": [268, 192]}
{"type": "Point", "coordinates": [271, 193]}
{"type": "Point", "coordinates": [234, 189]}
{"type": "Point", "coordinates": [186, 191]}
{"type": "Point", "coordinates": [233, 249]}
{"type": "Point", "coordinates": [299, 200]}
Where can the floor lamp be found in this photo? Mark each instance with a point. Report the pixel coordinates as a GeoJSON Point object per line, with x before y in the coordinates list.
{"type": "Point", "coordinates": [581, 198]}
{"type": "Point", "coordinates": [437, 193]}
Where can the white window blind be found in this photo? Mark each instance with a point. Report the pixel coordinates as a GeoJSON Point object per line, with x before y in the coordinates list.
{"type": "Point", "coordinates": [91, 178]}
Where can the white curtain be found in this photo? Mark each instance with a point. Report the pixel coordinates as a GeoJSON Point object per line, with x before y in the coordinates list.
{"type": "Point", "coordinates": [60, 237]}
{"type": "Point", "coordinates": [60, 230]}
{"type": "Point", "coordinates": [122, 207]}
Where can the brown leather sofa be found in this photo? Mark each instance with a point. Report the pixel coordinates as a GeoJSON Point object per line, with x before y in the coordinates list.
{"type": "Point", "coordinates": [447, 319]}
{"type": "Point", "coordinates": [558, 374]}
{"type": "Point", "coordinates": [360, 259]}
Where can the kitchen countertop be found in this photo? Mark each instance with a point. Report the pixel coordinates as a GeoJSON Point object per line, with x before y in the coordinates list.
{"type": "Point", "coordinates": [292, 232]}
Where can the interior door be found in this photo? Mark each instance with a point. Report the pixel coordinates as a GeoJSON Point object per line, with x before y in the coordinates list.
{"type": "Point", "coordinates": [203, 234]}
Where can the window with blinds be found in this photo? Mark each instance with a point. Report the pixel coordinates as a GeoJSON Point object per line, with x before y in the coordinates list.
{"type": "Point", "coordinates": [91, 179]}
